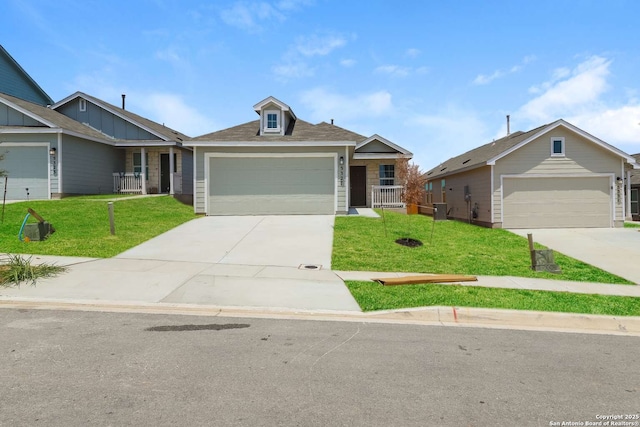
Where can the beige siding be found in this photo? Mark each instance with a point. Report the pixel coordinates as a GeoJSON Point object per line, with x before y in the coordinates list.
{"type": "Point", "coordinates": [479, 183]}
{"type": "Point", "coordinates": [582, 157]}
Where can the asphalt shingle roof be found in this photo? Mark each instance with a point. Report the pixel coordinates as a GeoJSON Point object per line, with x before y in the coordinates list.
{"type": "Point", "coordinates": [479, 156]}
{"type": "Point", "coordinates": [298, 130]}
{"type": "Point", "coordinates": [57, 119]}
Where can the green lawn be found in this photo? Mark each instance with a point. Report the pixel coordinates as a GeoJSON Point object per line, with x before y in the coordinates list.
{"type": "Point", "coordinates": [631, 225]}
{"type": "Point", "coordinates": [82, 224]}
{"type": "Point", "coordinates": [373, 296]}
{"type": "Point", "coordinates": [368, 244]}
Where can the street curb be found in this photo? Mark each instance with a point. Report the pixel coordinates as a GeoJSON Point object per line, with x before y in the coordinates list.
{"type": "Point", "coordinates": [429, 316]}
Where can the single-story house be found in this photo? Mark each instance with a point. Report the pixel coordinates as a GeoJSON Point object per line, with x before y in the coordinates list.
{"type": "Point", "coordinates": [82, 145]}
{"type": "Point", "coordinates": [634, 184]}
{"type": "Point", "coordinates": [556, 175]}
{"type": "Point", "coordinates": [280, 164]}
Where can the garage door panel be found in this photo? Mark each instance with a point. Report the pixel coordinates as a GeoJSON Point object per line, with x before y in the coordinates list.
{"type": "Point", "coordinates": [27, 168]}
{"type": "Point", "coordinates": [556, 202]}
{"type": "Point", "coordinates": [263, 185]}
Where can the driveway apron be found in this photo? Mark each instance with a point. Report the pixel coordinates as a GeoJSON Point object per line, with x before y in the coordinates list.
{"type": "Point", "coordinates": [616, 250]}
{"type": "Point", "coordinates": [250, 261]}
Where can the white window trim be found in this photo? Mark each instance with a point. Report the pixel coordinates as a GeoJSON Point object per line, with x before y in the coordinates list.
{"type": "Point", "coordinates": [266, 121]}
{"type": "Point", "coordinates": [561, 139]}
{"type": "Point", "coordinates": [82, 104]}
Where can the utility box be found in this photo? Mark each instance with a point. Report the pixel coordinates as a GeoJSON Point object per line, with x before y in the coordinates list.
{"type": "Point", "coordinates": [38, 231]}
{"type": "Point", "coordinates": [439, 211]}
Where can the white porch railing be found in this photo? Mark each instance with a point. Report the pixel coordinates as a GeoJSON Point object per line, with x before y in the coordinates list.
{"type": "Point", "coordinates": [127, 182]}
{"type": "Point", "coordinates": [386, 196]}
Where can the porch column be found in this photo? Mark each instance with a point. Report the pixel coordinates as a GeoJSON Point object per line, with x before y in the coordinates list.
{"type": "Point", "coordinates": [627, 200]}
{"type": "Point", "coordinates": [171, 169]}
{"type": "Point", "coordinates": [143, 163]}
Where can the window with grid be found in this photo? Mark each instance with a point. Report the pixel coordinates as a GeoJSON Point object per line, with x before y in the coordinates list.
{"type": "Point", "coordinates": [444, 191]}
{"type": "Point", "coordinates": [137, 164]}
{"type": "Point", "coordinates": [387, 174]}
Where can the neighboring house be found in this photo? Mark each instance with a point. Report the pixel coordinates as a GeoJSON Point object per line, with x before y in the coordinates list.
{"type": "Point", "coordinates": [15, 81]}
{"type": "Point", "coordinates": [49, 153]}
{"type": "Point", "coordinates": [634, 189]}
{"type": "Point", "coordinates": [280, 164]}
{"type": "Point", "coordinates": [556, 175]}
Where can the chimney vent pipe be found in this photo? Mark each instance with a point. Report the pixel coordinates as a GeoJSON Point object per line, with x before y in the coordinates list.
{"type": "Point", "coordinates": [508, 125]}
{"type": "Point", "coordinates": [123, 97]}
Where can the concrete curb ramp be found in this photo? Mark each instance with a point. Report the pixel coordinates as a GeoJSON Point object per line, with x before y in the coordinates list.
{"type": "Point", "coordinates": [430, 316]}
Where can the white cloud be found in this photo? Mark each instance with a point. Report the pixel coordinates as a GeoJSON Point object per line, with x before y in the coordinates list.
{"type": "Point", "coordinates": [316, 45]}
{"type": "Point", "coordinates": [169, 54]}
{"type": "Point", "coordinates": [393, 70]}
{"type": "Point", "coordinates": [348, 63]}
{"type": "Point", "coordinates": [325, 105]}
{"type": "Point", "coordinates": [448, 133]}
{"type": "Point", "coordinates": [249, 16]}
{"type": "Point", "coordinates": [292, 70]}
{"type": "Point", "coordinates": [577, 95]}
{"type": "Point", "coordinates": [483, 79]}
{"type": "Point", "coordinates": [581, 90]}
{"type": "Point", "coordinates": [173, 111]}
{"type": "Point", "coordinates": [399, 71]}
{"type": "Point", "coordinates": [412, 52]}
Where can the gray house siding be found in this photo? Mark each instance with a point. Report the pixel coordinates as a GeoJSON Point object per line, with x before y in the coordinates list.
{"type": "Point", "coordinates": [478, 184]}
{"type": "Point", "coordinates": [200, 190]}
{"type": "Point", "coordinates": [187, 172]}
{"type": "Point", "coordinates": [11, 117]}
{"type": "Point", "coordinates": [15, 82]}
{"type": "Point", "coordinates": [104, 121]}
{"type": "Point", "coordinates": [87, 167]}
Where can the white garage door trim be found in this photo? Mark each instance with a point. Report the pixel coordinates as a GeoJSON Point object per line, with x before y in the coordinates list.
{"type": "Point", "coordinates": [610, 176]}
{"type": "Point", "coordinates": [209, 156]}
{"type": "Point", "coordinates": [44, 145]}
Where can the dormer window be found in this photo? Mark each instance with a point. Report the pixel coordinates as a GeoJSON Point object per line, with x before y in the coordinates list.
{"type": "Point", "coordinates": [272, 121]}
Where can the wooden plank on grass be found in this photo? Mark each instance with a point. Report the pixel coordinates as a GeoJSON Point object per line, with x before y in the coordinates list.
{"type": "Point", "coordinates": [426, 278]}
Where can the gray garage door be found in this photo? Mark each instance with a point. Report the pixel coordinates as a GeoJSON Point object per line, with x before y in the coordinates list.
{"type": "Point", "coordinates": [271, 185]}
{"type": "Point", "coordinates": [27, 170]}
{"type": "Point", "coordinates": [557, 202]}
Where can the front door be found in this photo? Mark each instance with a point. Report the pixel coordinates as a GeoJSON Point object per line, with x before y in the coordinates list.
{"type": "Point", "coordinates": [358, 185]}
{"type": "Point", "coordinates": [164, 173]}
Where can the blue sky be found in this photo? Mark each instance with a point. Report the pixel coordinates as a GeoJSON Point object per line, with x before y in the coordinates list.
{"type": "Point", "coordinates": [437, 77]}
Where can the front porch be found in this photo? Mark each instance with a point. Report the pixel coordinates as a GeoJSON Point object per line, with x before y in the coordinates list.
{"type": "Point", "coordinates": [150, 170]}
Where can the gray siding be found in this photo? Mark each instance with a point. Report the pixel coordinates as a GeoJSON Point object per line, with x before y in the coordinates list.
{"type": "Point", "coordinates": [88, 167]}
{"type": "Point", "coordinates": [187, 172]}
{"type": "Point", "coordinates": [104, 121]}
{"type": "Point", "coordinates": [11, 117]}
{"type": "Point", "coordinates": [582, 157]}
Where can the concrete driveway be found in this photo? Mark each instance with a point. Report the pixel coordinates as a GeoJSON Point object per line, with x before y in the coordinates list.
{"type": "Point", "coordinates": [248, 261]}
{"type": "Point", "coordinates": [616, 250]}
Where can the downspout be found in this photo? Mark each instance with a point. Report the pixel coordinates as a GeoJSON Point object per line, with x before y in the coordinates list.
{"type": "Point", "coordinates": [347, 179]}
{"type": "Point", "coordinates": [629, 193]}
{"type": "Point", "coordinates": [492, 191]}
{"type": "Point", "coordinates": [194, 190]}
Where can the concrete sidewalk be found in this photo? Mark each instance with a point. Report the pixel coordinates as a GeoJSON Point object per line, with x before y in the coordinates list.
{"type": "Point", "coordinates": [178, 287]}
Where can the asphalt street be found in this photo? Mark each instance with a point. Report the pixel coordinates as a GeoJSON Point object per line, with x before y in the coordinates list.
{"type": "Point", "coordinates": [69, 368]}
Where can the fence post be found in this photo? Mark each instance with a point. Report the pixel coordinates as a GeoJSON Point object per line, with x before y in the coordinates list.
{"type": "Point", "coordinates": [112, 224]}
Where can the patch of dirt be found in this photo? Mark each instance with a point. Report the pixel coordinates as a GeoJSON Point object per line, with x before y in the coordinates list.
{"type": "Point", "coordinates": [411, 243]}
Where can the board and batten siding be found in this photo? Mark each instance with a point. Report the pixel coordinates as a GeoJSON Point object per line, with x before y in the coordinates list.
{"type": "Point", "coordinates": [14, 82]}
{"type": "Point", "coordinates": [11, 117]}
{"type": "Point", "coordinates": [187, 171]}
{"type": "Point", "coordinates": [582, 157]}
{"type": "Point", "coordinates": [87, 167]}
{"type": "Point", "coordinates": [105, 121]}
{"type": "Point", "coordinates": [200, 189]}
